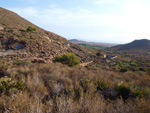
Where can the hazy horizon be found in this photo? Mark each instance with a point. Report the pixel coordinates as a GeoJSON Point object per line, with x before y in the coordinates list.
{"type": "Point", "coordinates": [111, 21]}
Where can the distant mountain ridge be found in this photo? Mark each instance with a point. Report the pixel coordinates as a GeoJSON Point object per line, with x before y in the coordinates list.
{"type": "Point", "coordinates": [135, 47]}
{"type": "Point", "coordinates": [92, 43]}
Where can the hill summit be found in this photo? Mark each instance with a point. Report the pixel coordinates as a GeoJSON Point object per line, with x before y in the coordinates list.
{"type": "Point", "coordinates": [20, 38]}
{"type": "Point", "coordinates": [136, 47]}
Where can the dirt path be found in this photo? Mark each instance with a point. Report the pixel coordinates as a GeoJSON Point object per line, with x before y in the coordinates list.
{"type": "Point", "coordinates": [86, 63]}
{"type": "Point", "coordinates": [6, 53]}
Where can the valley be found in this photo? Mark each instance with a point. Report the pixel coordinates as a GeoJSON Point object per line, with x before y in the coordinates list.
{"type": "Point", "coordinates": [42, 72]}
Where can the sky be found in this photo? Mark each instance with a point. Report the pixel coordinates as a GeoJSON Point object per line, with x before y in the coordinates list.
{"type": "Point", "coordinates": [108, 21]}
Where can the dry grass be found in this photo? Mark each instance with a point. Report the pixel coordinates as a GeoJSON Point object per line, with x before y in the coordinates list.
{"type": "Point", "coordinates": [54, 88]}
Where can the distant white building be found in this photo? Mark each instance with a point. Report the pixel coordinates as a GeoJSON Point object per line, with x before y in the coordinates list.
{"type": "Point", "coordinates": [110, 57]}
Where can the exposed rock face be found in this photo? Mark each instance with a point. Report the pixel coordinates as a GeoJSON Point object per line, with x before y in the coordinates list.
{"type": "Point", "coordinates": [11, 43]}
{"type": "Point", "coordinates": [1, 27]}
{"type": "Point", "coordinates": [7, 53]}
{"type": "Point", "coordinates": [19, 45]}
{"type": "Point", "coordinates": [86, 63]}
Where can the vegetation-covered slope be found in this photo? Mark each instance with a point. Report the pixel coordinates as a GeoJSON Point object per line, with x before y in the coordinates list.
{"type": "Point", "coordinates": [110, 83]}
{"type": "Point", "coordinates": [55, 88]}
{"type": "Point", "coordinates": [136, 47]}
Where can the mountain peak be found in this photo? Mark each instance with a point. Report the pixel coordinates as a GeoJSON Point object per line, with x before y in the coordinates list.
{"type": "Point", "coordinates": [141, 41]}
{"type": "Point", "coordinates": [135, 47]}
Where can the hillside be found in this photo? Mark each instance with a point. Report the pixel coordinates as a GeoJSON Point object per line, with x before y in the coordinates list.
{"type": "Point", "coordinates": [21, 39]}
{"type": "Point", "coordinates": [104, 82]}
{"type": "Point", "coordinates": [138, 47]}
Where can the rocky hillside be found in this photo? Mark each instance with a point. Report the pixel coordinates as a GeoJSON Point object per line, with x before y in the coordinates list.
{"type": "Point", "coordinates": [140, 47]}
{"type": "Point", "coordinates": [20, 38]}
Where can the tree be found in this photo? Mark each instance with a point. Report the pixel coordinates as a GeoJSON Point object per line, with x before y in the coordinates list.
{"type": "Point", "coordinates": [69, 59]}
{"type": "Point", "coordinates": [31, 29]}
{"type": "Point", "coordinates": [98, 54]}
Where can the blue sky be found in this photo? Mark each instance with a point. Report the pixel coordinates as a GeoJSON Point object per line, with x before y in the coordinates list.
{"type": "Point", "coordinates": [112, 21]}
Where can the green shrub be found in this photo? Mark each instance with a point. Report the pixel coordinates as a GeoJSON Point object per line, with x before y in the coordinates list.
{"type": "Point", "coordinates": [69, 59]}
{"type": "Point", "coordinates": [22, 62]}
{"type": "Point", "coordinates": [77, 91]}
{"type": "Point", "coordinates": [3, 67]}
{"type": "Point", "coordinates": [146, 91]}
{"type": "Point", "coordinates": [58, 59]}
{"type": "Point", "coordinates": [123, 70]}
{"type": "Point", "coordinates": [31, 29]}
{"type": "Point", "coordinates": [101, 85]}
{"type": "Point", "coordinates": [138, 93]}
{"type": "Point", "coordinates": [19, 36]}
{"type": "Point", "coordinates": [84, 84]}
{"type": "Point", "coordinates": [57, 39]}
{"type": "Point", "coordinates": [22, 30]}
{"type": "Point", "coordinates": [123, 91]}
{"type": "Point", "coordinates": [119, 64]}
{"type": "Point", "coordinates": [98, 54]}
{"type": "Point", "coordinates": [97, 65]}
{"type": "Point", "coordinates": [7, 86]}
{"type": "Point", "coordinates": [133, 64]}
{"type": "Point", "coordinates": [142, 69]}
